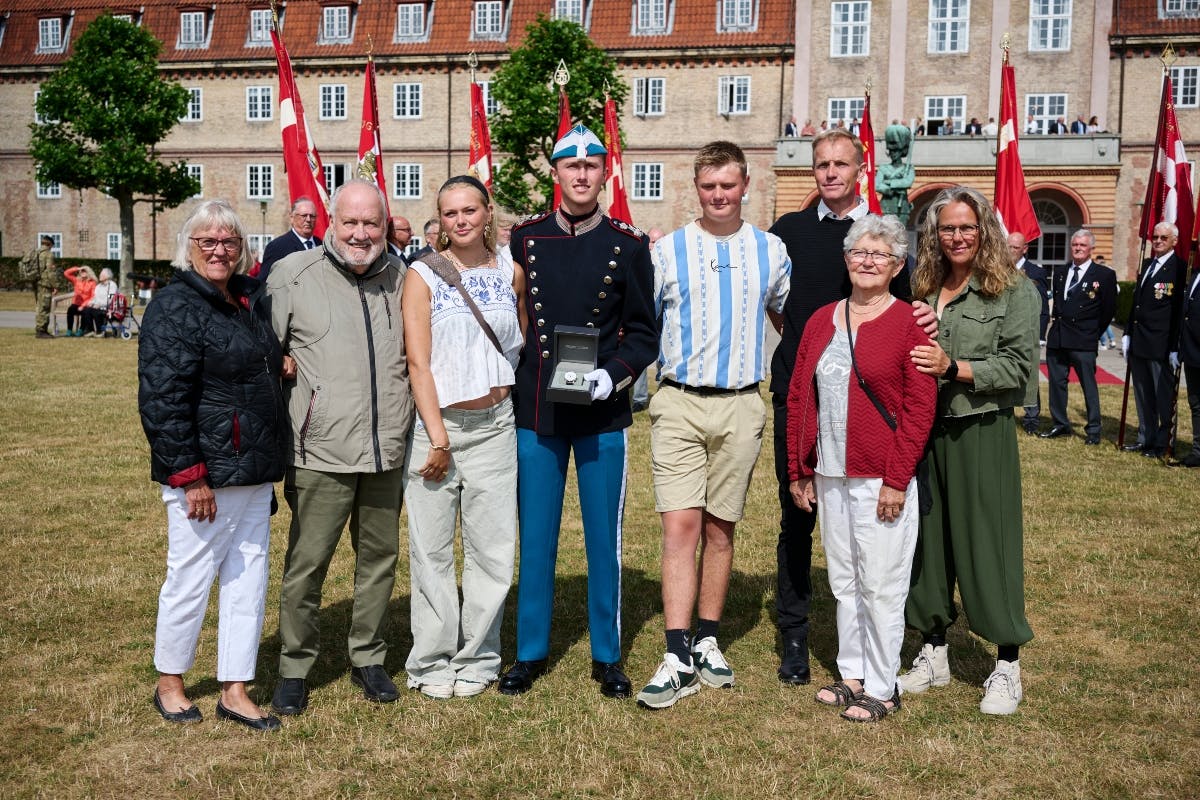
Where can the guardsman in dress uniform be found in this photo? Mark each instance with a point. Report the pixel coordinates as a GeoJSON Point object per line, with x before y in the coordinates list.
{"type": "Point", "coordinates": [1085, 297]}
{"type": "Point", "coordinates": [1150, 343]}
{"type": "Point", "coordinates": [582, 269]}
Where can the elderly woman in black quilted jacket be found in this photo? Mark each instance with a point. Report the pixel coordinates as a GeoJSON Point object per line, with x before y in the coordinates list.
{"type": "Point", "coordinates": [209, 396]}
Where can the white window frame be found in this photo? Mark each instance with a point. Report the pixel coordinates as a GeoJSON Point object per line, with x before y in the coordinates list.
{"type": "Point", "coordinates": [197, 171]}
{"type": "Point", "coordinates": [332, 105]}
{"type": "Point", "coordinates": [850, 29]}
{"type": "Point", "coordinates": [649, 96]}
{"type": "Point", "coordinates": [260, 181]}
{"type": "Point", "coordinates": [337, 24]}
{"type": "Point", "coordinates": [954, 23]}
{"type": "Point", "coordinates": [647, 181]}
{"type": "Point", "coordinates": [410, 22]}
{"type": "Point", "coordinates": [260, 103]}
{"type": "Point", "coordinates": [1049, 19]}
{"type": "Point", "coordinates": [733, 95]}
{"type": "Point", "coordinates": [126, 17]}
{"type": "Point", "coordinates": [1050, 106]}
{"type": "Point", "coordinates": [195, 106]}
{"type": "Point", "coordinates": [50, 35]}
{"type": "Point", "coordinates": [193, 29]}
{"type": "Point", "coordinates": [37, 117]}
{"type": "Point", "coordinates": [487, 19]}
{"type": "Point", "coordinates": [490, 104]}
{"type": "Point", "coordinates": [406, 180]}
{"type": "Point", "coordinates": [1184, 87]}
{"type": "Point", "coordinates": [845, 108]}
{"type": "Point", "coordinates": [56, 237]}
{"type": "Point", "coordinates": [407, 100]}
{"type": "Point", "coordinates": [651, 16]}
{"type": "Point", "coordinates": [1178, 8]}
{"type": "Point", "coordinates": [953, 106]}
{"type": "Point", "coordinates": [50, 190]}
{"type": "Point", "coordinates": [335, 174]}
{"type": "Point", "coordinates": [571, 10]}
{"type": "Point", "coordinates": [112, 243]}
{"type": "Point", "coordinates": [257, 243]}
{"type": "Point", "coordinates": [260, 27]}
{"type": "Point", "coordinates": [737, 15]}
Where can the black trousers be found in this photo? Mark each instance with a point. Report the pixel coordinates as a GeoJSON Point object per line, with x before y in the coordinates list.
{"type": "Point", "coordinates": [1059, 363]}
{"type": "Point", "coordinates": [1154, 396]}
{"type": "Point", "coordinates": [1192, 375]}
{"type": "Point", "coordinates": [794, 551]}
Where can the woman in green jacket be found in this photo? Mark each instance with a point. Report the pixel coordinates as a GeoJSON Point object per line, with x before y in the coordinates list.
{"type": "Point", "coordinates": [985, 359]}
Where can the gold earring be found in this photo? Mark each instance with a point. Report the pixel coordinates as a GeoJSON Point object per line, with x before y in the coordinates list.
{"type": "Point", "coordinates": [487, 229]}
{"type": "Point", "coordinates": [443, 240]}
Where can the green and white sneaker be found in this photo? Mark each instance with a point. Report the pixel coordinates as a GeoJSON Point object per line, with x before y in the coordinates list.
{"type": "Point", "coordinates": [671, 682]}
{"type": "Point", "coordinates": [710, 663]}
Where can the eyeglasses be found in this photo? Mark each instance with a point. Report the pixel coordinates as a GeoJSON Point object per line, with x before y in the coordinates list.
{"type": "Point", "coordinates": [233, 245]}
{"type": "Point", "coordinates": [305, 216]}
{"type": "Point", "coordinates": [966, 231]}
{"type": "Point", "coordinates": [1157, 238]}
{"type": "Point", "coordinates": [875, 257]}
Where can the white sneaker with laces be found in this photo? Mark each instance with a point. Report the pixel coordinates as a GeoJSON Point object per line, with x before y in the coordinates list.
{"type": "Point", "coordinates": [710, 662]}
{"type": "Point", "coordinates": [436, 691]}
{"type": "Point", "coordinates": [671, 682]}
{"type": "Point", "coordinates": [1002, 690]}
{"type": "Point", "coordinates": [930, 668]}
{"type": "Point", "coordinates": [465, 687]}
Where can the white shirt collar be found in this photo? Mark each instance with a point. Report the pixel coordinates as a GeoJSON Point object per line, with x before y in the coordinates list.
{"type": "Point", "coordinates": [858, 212]}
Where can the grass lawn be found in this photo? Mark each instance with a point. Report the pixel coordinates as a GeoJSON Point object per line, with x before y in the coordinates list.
{"type": "Point", "coordinates": [16, 301]}
{"type": "Point", "coordinates": [1111, 545]}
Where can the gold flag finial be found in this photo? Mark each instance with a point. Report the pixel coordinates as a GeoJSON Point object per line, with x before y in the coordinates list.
{"type": "Point", "coordinates": [1005, 46]}
{"type": "Point", "coordinates": [1168, 57]}
{"type": "Point", "coordinates": [473, 64]}
{"type": "Point", "coordinates": [870, 83]}
{"type": "Point", "coordinates": [370, 48]}
{"type": "Point", "coordinates": [562, 75]}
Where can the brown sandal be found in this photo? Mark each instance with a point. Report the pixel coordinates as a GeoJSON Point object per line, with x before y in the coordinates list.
{"type": "Point", "coordinates": [874, 708]}
{"type": "Point", "coordinates": [842, 693]}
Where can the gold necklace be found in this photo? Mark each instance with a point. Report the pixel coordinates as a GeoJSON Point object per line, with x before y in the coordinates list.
{"type": "Point", "coordinates": [458, 262]}
{"type": "Point", "coordinates": [868, 308]}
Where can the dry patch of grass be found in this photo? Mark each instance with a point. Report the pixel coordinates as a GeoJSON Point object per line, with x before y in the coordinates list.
{"type": "Point", "coordinates": [16, 301]}
{"type": "Point", "coordinates": [1111, 547]}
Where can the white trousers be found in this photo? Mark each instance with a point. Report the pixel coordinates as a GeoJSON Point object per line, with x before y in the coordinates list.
{"type": "Point", "coordinates": [869, 564]}
{"type": "Point", "coordinates": [232, 548]}
{"type": "Point", "coordinates": [449, 641]}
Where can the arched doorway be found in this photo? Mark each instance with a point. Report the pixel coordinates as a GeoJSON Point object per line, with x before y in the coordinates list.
{"type": "Point", "coordinates": [1051, 246]}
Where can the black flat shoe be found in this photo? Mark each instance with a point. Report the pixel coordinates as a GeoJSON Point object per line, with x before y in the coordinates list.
{"type": "Point", "coordinates": [1092, 440]}
{"type": "Point", "coordinates": [268, 723]}
{"type": "Point", "coordinates": [520, 677]}
{"type": "Point", "coordinates": [376, 685]}
{"type": "Point", "coordinates": [1190, 460]}
{"type": "Point", "coordinates": [793, 667]}
{"type": "Point", "coordinates": [1055, 432]}
{"type": "Point", "coordinates": [1132, 448]}
{"type": "Point", "coordinates": [613, 681]}
{"type": "Point", "coordinates": [184, 717]}
{"type": "Point", "coordinates": [291, 697]}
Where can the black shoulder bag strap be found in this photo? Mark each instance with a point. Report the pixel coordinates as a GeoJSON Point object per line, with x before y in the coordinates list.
{"type": "Point", "coordinates": [442, 267]}
{"type": "Point", "coordinates": [862, 384]}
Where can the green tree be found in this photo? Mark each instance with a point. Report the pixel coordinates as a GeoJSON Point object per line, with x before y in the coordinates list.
{"type": "Point", "coordinates": [528, 121]}
{"type": "Point", "coordinates": [108, 107]}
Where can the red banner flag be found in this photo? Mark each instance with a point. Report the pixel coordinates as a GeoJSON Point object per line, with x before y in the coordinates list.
{"type": "Point", "coordinates": [370, 152]}
{"type": "Point", "coordinates": [564, 126]}
{"type": "Point", "coordinates": [618, 201]}
{"type": "Point", "coordinates": [301, 162]}
{"type": "Point", "coordinates": [480, 156]}
{"type": "Point", "coordinates": [1013, 206]}
{"type": "Point", "coordinates": [866, 178]}
{"type": "Point", "coordinates": [1169, 191]}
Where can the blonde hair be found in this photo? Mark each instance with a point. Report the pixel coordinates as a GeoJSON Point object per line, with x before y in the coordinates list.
{"type": "Point", "coordinates": [489, 228]}
{"type": "Point", "coordinates": [211, 214]}
{"type": "Point", "coordinates": [993, 265]}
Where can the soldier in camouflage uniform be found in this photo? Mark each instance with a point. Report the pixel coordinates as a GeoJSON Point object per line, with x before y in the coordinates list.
{"type": "Point", "coordinates": [44, 287]}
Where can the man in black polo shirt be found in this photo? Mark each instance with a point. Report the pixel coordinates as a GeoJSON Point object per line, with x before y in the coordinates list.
{"type": "Point", "coordinates": [814, 239]}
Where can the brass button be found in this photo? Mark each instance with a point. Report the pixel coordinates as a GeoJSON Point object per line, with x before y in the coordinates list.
{"type": "Point", "coordinates": [532, 275]}
{"type": "Point", "coordinates": [616, 251]}
{"type": "Point", "coordinates": [533, 290]}
{"type": "Point", "coordinates": [532, 259]}
{"type": "Point", "coordinates": [595, 312]}
{"type": "Point", "coordinates": [537, 306]}
{"type": "Point", "coordinates": [612, 265]}
{"type": "Point", "coordinates": [603, 295]}
{"type": "Point", "coordinates": [608, 279]}
{"type": "Point", "coordinates": [545, 354]}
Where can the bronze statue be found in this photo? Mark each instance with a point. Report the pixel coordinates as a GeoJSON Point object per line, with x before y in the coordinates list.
{"type": "Point", "coordinates": [893, 180]}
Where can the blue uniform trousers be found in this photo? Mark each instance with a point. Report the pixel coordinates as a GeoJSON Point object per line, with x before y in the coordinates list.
{"type": "Point", "coordinates": [541, 479]}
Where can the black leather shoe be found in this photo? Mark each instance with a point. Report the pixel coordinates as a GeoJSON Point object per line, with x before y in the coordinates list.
{"type": "Point", "coordinates": [793, 667]}
{"type": "Point", "coordinates": [1055, 432]}
{"type": "Point", "coordinates": [1031, 430]}
{"type": "Point", "coordinates": [1092, 440]}
{"type": "Point", "coordinates": [520, 677]}
{"type": "Point", "coordinates": [1133, 448]}
{"type": "Point", "coordinates": [1190, 460]}
{"type": "Point", "coordinates": [613, 682]}
{"type": "Point", "coordinates": [376, 685]}
{"type": "Point", "coordinates": [1152, 452]}
{"type": "Point", "coordinates": [268, 723]}
{"type": "Point", "coordinates": [191, 714]}
{"type": "Point", "coordinates": [291, 697]}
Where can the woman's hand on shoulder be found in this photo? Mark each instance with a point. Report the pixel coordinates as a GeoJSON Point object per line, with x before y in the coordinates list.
{"type": "Point", "coordinates": [927, 319]}
{"type": "Point", "coordinates": [930, 358]}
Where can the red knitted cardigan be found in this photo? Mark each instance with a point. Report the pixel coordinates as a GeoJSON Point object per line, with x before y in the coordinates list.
{"type": "Point", "coordinates": [881, 348]}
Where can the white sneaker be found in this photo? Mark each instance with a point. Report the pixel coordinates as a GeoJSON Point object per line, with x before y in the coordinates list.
{"type": "Point", "coordinates": [437, 691]}
{"type": "Point", "coordinates": [930, 668]}
{"type": "Point", "coordinates": [464, 687]}
{"type": "Point", "coordinates": [710, 662]}
{"type": "Point", "coordinates": [1002, 690]}
{"type": "Point", "coordinates": [671, 682]}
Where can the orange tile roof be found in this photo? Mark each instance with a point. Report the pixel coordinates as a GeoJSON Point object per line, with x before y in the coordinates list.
{"type": "Point", "coordinates": [693, 29]}
{"type": "Point", "coordinates": [1140, 18]}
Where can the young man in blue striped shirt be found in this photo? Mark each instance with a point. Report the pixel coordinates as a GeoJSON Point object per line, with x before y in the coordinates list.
{"type": "Point", "coordinates": [718, 283]}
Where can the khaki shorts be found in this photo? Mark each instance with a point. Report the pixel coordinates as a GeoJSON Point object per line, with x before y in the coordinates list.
{"type": "Point", "coordinates": [704, 449]}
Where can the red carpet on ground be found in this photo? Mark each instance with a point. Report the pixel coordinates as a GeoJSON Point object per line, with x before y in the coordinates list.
{"type": "Point", "coordinates": [1103, 376]}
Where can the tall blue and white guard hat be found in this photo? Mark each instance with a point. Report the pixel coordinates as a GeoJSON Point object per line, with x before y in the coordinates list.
{"type": "Point", "coordinates": [578, 142]}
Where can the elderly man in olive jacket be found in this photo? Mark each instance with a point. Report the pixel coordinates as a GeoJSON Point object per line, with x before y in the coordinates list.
{"type": "Point", "coordinates": [336, 311]}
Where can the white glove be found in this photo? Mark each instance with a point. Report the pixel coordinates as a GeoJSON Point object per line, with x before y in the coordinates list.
{"type": "Point", "coordinates": [1125, 347]}
{"type": "Point", "coordinates": [602, 384]}
{"type": "Point", "coordinates": [1174, 359]}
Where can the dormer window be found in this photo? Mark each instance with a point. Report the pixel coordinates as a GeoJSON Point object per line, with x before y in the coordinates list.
{"type": "Point", "coordinates": [335, 25]}
{"type": "Point", "coordinates": [411, 22]}
{"type": "Point", "coordinates": [737, 15]}
{"type": "Point", "coordinates": [571, 10]}
{"type": "Point", "coordinates": [488, 20]}
{"type": "Point", "coordinates": [52, 34]}
{"type": "Point", "coordinates": [651, 17]}
{"type": "Point", "coordinates": [132, 17]}
{"type": "Point", "coordinates": [1179, 8]}
{"type": "Point", "coordinates": [193, 29]}
{"type": "Point", "coordinates": [260, 27]}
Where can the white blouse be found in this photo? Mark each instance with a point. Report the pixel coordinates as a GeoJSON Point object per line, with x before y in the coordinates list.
{"type": "Point", "coordinates": [464, 362]}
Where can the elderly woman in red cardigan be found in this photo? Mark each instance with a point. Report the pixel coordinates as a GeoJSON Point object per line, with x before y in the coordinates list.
{"type": "Point", "coordinates": [859, 414]}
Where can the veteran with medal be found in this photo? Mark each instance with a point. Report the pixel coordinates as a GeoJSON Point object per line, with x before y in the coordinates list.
{"type": "Point", "coordinates": [583, 270]}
